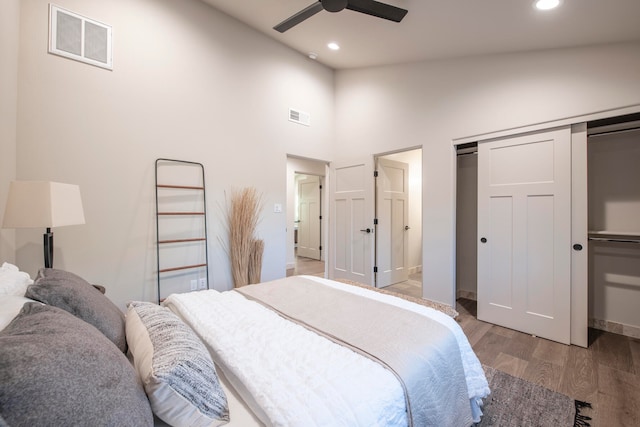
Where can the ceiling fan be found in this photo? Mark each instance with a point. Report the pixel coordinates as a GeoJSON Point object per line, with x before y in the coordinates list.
{"type": "Point", "coordinates": [369, 7]}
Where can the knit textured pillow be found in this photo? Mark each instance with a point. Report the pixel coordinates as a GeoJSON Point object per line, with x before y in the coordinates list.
{"type": "Point", "coordinates": [176, 369]}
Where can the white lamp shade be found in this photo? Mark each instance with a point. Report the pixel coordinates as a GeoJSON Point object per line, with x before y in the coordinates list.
{"type": "Point", "coordinates": [34, 204]}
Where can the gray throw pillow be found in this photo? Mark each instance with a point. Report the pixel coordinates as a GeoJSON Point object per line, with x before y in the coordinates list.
{"type": "Point", "coordinates": [72, 293]}
{"type": "Point", "coordinates": [175, 367]}
{"type": "Point", "coordinates": [58, 370]}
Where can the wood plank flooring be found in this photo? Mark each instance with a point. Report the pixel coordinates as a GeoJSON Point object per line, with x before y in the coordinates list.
{"type": "Point", "coordinates": [606, 374]}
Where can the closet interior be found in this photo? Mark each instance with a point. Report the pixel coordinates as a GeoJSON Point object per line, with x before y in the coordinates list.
{"type": "Point", "coordinates": [467, 221]}
{"type": "Point", "coordinates": [613, 188]}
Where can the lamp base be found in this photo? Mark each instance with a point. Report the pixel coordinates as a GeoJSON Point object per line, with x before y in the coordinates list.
{"type": "Point", "coordinates": [48, 248]}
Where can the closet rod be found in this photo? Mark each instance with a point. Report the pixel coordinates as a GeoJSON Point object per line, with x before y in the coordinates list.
{"type": "Point", "coordinates": [466, 153]}
{"type": "Point", "coordinates": [611, 132]}
{"type": "Point", "coordinates": [607, 239]}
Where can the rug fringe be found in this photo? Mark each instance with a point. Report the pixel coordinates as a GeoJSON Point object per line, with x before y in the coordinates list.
{"type": "Point", "coordinates": [581, 420]}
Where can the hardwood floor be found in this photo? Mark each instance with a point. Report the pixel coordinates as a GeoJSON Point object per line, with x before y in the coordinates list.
{"type": "Point", "coordinates": [306, 266]}
{"type": "Point", "coordinates": [412, 287]}
{"type": "Point", "coordinates": [606, 374]}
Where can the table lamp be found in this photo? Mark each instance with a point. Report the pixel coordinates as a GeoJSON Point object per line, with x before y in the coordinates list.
{"type": "Point", "coordinates": [34, 204]}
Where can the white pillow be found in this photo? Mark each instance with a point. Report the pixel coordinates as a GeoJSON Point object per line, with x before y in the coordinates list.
{"type": "Point", "coordinates": [10, 306]}
{"type": "Point", "coordinates": [13, 281]}
{"type": "Point", "coordinates": [176, 369]}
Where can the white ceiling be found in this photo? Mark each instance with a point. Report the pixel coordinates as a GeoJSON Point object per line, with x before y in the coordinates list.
{"type": "Point", "coordinates": [436, 29]}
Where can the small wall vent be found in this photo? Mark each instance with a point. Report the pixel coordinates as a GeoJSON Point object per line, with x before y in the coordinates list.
{"type": "Point", "coordinates": [299, 117]}
{"type": "Point", "coordinates": [77, 37]}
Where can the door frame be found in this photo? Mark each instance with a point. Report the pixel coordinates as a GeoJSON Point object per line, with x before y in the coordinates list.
{"type": "Point", "coordinates": [306, 166]}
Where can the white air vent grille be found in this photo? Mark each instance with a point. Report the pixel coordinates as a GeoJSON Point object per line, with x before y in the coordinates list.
{"type": "Point", "coordinates": [300, 117]}
{"type": "Point", "coordinates": [77, 37]}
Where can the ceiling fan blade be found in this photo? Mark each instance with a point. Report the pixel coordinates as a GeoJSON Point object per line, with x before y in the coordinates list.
{"type": "Point", "coordinates": [377, 9]}
{"type": "Point", "coordinates": [299, 17]}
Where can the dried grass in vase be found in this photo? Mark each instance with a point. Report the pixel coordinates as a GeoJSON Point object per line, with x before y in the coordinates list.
{"type": "Point", "coordinates": [255, 261]}
{"type": "Point", "coordinates": [243, 217]}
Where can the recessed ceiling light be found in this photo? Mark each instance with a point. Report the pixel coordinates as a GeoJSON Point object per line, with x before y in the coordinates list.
{"type": "Point", "coordinates": [313, 55]}
{"type": "Point", "coordinates": [546, 4]}
{"type": "Point", "coordinates": [333, 46]}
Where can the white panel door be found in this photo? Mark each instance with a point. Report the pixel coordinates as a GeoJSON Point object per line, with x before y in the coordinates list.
{"type": "Point", "coordinates": [392, 240]}
{"type": "Point", "coordinates": [351, 221]}
{"type": "Point", "coordinates": [309, 217]}
{"type": "Point", "coordinates": [524, 232]}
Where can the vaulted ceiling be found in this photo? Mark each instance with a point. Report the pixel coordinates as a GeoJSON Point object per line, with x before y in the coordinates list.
{"type": "Point", "coordinates": [436, 29]}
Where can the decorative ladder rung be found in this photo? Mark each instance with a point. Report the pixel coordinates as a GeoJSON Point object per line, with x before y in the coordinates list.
{"type": "Point", "coordinates": [184, 267]}
{"type": "Point", "coordinates": [181, 187]}
{"type": "Point", "coordinates": [180, 213]}
{"type": "Point", "coordinates": [198, 239]}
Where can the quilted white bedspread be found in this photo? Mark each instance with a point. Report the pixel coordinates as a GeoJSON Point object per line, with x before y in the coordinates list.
{"type": "Point", "coordinates": [291, 376]}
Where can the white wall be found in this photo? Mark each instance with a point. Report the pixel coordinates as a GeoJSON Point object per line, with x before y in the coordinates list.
{"type": "Point", "coordinates": [188, 83]}
{"type": "Point", "coordinates": [431, 103]}
{"type": "Point", "coordinates": [9, 42]}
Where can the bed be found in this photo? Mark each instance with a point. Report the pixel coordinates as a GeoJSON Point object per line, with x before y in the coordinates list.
{"type": "Point", "coordinates": [299, 348]}
{"type": "Point", "coordinates": [262, 355]}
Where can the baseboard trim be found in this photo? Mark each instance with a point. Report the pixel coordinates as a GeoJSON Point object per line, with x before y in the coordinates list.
{"type": "Point", "coordinates": [461, 293]}
{"type": "Point", "coordinates": [614, 327]}
{"type": "Point", "coordinates": [416, 269]}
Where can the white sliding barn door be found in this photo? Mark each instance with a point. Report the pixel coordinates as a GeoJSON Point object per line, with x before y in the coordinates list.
{"type": "Point", "coordinates": [309, 217]}
{"type": "Point", "coordinates": [392, 242]}
{"type": "Point", "coordinates": [351, 223]}
{"type": "Point", "coordinates": [524, 232]}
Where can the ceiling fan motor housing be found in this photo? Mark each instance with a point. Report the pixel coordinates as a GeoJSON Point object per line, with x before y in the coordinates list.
{"type": "Point", "coordinates": [334, 5]}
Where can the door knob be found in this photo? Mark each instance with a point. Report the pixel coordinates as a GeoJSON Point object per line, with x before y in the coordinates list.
{"type": "Point", "coordinates": [406, 227]}
{"type": "Point", "coordinates": [483, 240]}
{"type": "Point", "coordinates": [368, 230]}
{"type": "Point", "coordinates": [577, 247]}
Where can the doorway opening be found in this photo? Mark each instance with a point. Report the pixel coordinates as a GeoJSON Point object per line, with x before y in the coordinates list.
{"type": "Point", "coordinates": [467, 221]}
{"type": "Point", "coordinates": [398, 222]}
{"type": "Point", "coordinates": [306, 217]}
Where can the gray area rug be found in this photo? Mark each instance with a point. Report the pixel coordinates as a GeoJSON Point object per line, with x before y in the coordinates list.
{"type": "Point", "coordinates": [516, 402]}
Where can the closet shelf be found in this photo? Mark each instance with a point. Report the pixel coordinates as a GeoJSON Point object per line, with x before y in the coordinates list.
{"type": "Point", "coordinates": [615, 233]}
{"type": "Point", "coordinates": [614, 236]}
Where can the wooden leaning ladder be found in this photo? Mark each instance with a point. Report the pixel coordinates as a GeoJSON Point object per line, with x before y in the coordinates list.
{"type": "Point", "coordinates": [200, 197]}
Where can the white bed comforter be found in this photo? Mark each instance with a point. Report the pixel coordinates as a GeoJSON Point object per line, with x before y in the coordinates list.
{"type": "Point", "coordinates": [291, 376]}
